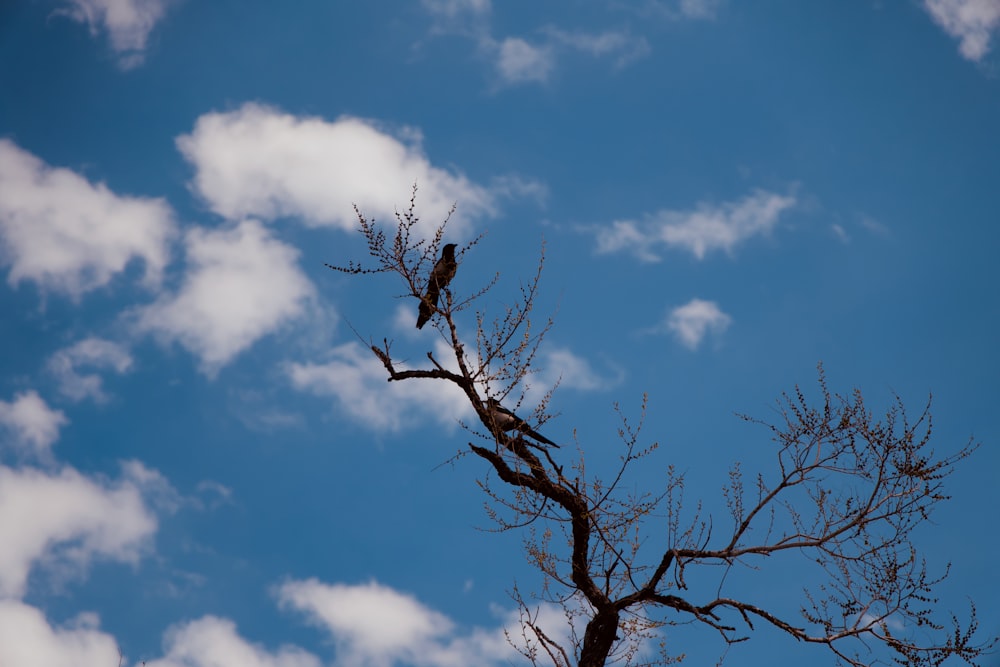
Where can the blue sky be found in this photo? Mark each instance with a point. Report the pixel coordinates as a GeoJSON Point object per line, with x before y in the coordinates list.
{"type": "Point", "coordinates": [201, 465]}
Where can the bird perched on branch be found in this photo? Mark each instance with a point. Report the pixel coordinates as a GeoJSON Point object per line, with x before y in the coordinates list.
{"type": "Point", "coordinates": [506, 420]}
{"type": "Point", "coordinates": [441, 275]}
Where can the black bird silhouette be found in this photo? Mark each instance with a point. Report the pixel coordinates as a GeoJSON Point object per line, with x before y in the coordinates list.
{"type": "Point", "coordinates": [441, 275]}
{"type": "Point", "coordinates": [508, 421]}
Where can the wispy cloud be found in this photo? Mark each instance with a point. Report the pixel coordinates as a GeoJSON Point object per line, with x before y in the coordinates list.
{"type": "Point", "coordinates": [72, 236]}
{"type": "Point", "coordinates": [845, 231]}
{"type": "Point", "coordinates": [464, 17]}
{"type": "Point", "coordinates": [520, 59]}
{"type": "Point", "coordinates": [454, 8]}
{"type": "Point", "coordinates": [356, 379]}
{"type": "Point", "coordinates": [699, 9]}
{"type": "Point", "coordinates": [95, 353]}
{"type": "Point", "coordinates": [693, 321]}
{"type": "Point", "coordinates": [240, 285]}
{"type": "Point", "coordinates": [126, 22]}
{"type": "Point", "coordinates": [875, 226]}
{"type": "Point", "coordinates": [258, 161]}
{"type": "Point", "coordinates": [674, 10]}
{"type": "Point", "coordinates": [840, 233]}
{"type": "Point", "coordinates": [972, 22]}
{"type": "Point", "coordinates": [620, 45]}
{"type": "Point", "coordinates": [706, 228]}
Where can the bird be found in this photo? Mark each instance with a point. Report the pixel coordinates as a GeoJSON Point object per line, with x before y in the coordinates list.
{"type": "Point", "coordinates": [506, 420]}
{"type": "Point", "coordinates": [441, 275]}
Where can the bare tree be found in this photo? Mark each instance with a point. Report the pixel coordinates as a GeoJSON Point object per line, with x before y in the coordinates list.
{"type": "Point", "coordinates": [848, 491]}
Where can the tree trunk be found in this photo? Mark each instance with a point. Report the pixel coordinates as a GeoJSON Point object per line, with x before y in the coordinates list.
{"type": "Point", "coordinates": [602, 631]}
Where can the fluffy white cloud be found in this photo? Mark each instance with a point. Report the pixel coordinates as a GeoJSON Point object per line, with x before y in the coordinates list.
{"type": "Point", "coordinates": [27, 640]}
{"type": "Point", "coordinates": [127, 22]}
{"type": "Point", "coordinates": [972, 22]}
{"type": "Point", "coordinates": [691, 322]}
{"type": "Point", "coordinates": [377, 626]}
{"type": "Point", "coordinates": [214, 642]}
{"type": "Point", "coordinates": [357, 380]}
{"type": "Point", "coordinates": [258, 161]}
{"type": "Point", "coordinates": [64, 520]}
{"type": "Point", "coordinates": [72, 236]}
{"type": "Point", "coordinates": [374, 620]}
{"type": "Point", "coordinates": [33, 425]}
{"type": "Point", "coordinates": [706, 228]}
{"type": "Point", "coordinates": [241, 284]}
{"type": "Point", "coordinates": [91, 352]}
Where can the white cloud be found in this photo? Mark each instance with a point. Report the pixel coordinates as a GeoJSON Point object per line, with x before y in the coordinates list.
{"type": "Point", "coordinates": [972, 22]}
{"type": "Point", "coordinates": [127, 23]}
{"type": "Point", "coordinates": [93, 353]}
{"type": "Point", "coordinates": [706, 228]}
{"type": "Point", "coordinates": [32, 423]}
{"type": "Point", "coordinates": [72, 236]}
{"type": "Point", "coordinates": [241, 285]}
{"type": "Point", "coordinates": [560, 364]}
{"type": "Point", "coordinates": [377, 626]}
{"type": "Point", "coordinates": [64, 520]}
{"type": "Point", "coordinates": [520, 62]}
{"type": "Point", "coordinates": [691, 322]}
{"type": "Point", "coordinates": [358, 381]}
{"type": "Point", "coordinates": [373, 620]}
{"type": "Point", "coordinates": [27, 640]}
{"type": "Point", "coordinates": [258, 161]}
{"type": "Point", "coordinates": [214, 642]}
